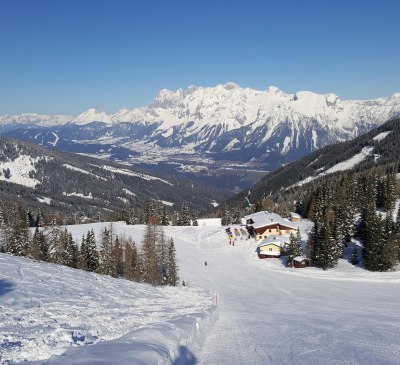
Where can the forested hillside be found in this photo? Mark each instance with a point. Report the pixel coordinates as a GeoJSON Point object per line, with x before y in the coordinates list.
{"type": "Point", "coordinates": [73, 184]}
{"type": "Point", "coordinates": [349, 190]}
{"type": "Point", "coordinates": [377, 148]}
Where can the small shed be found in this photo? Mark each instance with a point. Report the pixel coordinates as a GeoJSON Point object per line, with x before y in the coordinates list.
{"type": "Point", "coordinates": [300, 262]}
{"type": "Point", "coordinates": [294, 217]}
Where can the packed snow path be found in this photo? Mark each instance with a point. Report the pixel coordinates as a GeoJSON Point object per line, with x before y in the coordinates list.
{"type": "Point", "coordinates": [271, 315]}
{"type": "Point", "coordinates": [266, 314]}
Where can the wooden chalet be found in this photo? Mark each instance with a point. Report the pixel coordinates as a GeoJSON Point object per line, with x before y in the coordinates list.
{"type": "Point", "coordinates": [264, 224]}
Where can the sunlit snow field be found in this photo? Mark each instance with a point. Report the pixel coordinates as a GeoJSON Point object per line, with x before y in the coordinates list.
{"type": "Point", "coordinates": [236, 310]}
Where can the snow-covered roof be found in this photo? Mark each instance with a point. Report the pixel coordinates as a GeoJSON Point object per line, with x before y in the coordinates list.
{"type": "Point", "coordinates": [274, 240]}
{"type": "Point", "coordinates": [300, 258]}
{"type": "Point", "coordinates": [264, 218]}
{"type": "Point", "coordinates": [295, 215]}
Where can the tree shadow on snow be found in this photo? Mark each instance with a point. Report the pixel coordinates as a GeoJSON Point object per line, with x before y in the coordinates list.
{"type": "Point", "coordinates": [6, 286]}
{"type": "Point", "coordinates": [185, 357]}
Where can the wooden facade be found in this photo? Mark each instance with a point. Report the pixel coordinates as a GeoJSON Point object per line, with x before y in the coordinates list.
{"type": "Point", "coordinates": [272, 230]}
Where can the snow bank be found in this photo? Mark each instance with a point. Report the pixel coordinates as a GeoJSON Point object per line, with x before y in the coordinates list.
{"type": "Point", "coordinates": [164, 343]}
{"type": "Point", "coordinates": [51, 310]}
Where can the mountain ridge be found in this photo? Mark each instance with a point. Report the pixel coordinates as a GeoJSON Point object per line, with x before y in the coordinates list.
{"type": "Point", "coordinates": [209, 128]}
{"type": "Point", "coordinates": [301, 101]}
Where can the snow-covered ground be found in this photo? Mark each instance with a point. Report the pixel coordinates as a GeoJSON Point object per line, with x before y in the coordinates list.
{"type": "Point", "coordinates": [266, 313]}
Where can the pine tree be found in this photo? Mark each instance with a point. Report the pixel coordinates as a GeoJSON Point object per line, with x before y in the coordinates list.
{"type": "Point", "coordinates": [3, 229]}
{"type": "Point", "coordinates": [373, 242]}
{"type": "Point", "coordinates": [34, 247]}
{"type": "Point", "coordinates": [131, 261]}
{"type": "Point", "coordinates": [150, 265]}
{"type": "Point", "coordinates": [162, 254]}
{"type": "Point", "coordinates": [82, 262]}
{"type": "Point", "coordinates": [106, 259]}
{"type": "Point", "coordinates": [17, 231]}
{"type": "Point", "coordinates": [39, 248]}
{"type": "Point", "coordinates": [236, 216]}
{"type": "Point", "coordinates": [294, 248]}
{"type": "Point", "coordinates": [118, 257]}
{"type": "Point", "coordinates": [226, 218]}
{"type": "Point", "coordinates": [164, 216]}
{"type": "Point", "coordinates": [72, 252]}
{"type": "Point", "coordinates": [57, 254]}
{"type": "Point", "coordinates": [194, 219]}
{"type": "Point", "coordinates": [389, 198]}
{"type": "Point", "coordinates": [354, 256]}
{"type": "Point", "coordinates": [184, 216]}
{"type": "Point", "coordinates": [390, 252]}
{"type": "Point", "coordinates": [172, 268]}
{"type": "Point", "coordinates": [91, 255]}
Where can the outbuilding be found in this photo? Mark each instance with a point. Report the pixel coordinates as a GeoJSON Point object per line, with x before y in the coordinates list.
{"type": "Point", "coordinates": [300, 262]}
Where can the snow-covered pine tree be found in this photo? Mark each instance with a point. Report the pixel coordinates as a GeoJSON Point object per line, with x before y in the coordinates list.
{"type": "Point", "coordinates": [184, 216]}
{"type": "Point", "coordinates": [194, 219]}
{"type": "Point", "coordinates": [106, 259]}
{"type": "Point", "coordinates": [226, 218]}
{"type": "Point", "coordinates": [82, 264]}
{"type": "Point", "coordinates": [17, 231]}
{"type": "Point", "coordinates": [373, 241]}
{"type": "Point", "coordinates": [338, 231]}
{"type": "Point", "coordinates": [236, 215]}
{"type": "Point", "coordinates": [293, 248]}
{"type": "Point", "coordinates": [2, 228]}
{"type": "Point", "coordinates": [324, 245]}
{"type": "Point", "coordinates": [390, 252]}
{"type": "Point", "coordinates": [164, 216]}
{"type": "Point", "coordinates": [172, 267]}
{"type": "Point", "coordinates": [91, 255]}
{"type": "Point", "coordinates": [72, 251]}
{"type": "Point", "coordinates": [349, 209]}
{"type": "Point", "coordinates": [57, 254]}
{"type": "Point", "coordinates": [390, 196]}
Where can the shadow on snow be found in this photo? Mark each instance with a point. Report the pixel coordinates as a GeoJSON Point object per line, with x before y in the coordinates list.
{"type": "Point", "coordinates": [185, 357]}
{"type": "Point", "coordinates": [6, 286]}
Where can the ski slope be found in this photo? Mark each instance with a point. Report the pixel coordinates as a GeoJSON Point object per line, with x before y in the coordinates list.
{"type": "Point", "coordinates": [265, 312]}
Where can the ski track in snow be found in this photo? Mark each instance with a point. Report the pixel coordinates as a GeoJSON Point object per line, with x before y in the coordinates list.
{"type": "Point", "coordinates": [266, 313]}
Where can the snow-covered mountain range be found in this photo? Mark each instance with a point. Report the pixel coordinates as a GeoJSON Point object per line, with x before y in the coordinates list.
{"type": "Point", "coordinates": [226, 122]}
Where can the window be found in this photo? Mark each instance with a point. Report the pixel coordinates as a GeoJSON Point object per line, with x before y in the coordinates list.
{"type": "Point", "coordinates": [270, 249]}
{"type": "Point", "coordinates": [270, 230]}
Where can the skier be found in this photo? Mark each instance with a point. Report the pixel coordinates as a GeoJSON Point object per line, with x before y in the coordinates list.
{"type": "Point", "coordinates": [205, 263]}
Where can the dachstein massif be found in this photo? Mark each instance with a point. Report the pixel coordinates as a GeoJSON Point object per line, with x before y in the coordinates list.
{"type": "Point", "coordinates": [225, 122]}
{"type": "Point", "coordinates": [200, 128]}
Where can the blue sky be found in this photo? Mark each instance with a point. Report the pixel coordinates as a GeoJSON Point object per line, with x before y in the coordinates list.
{"type": "Point", "coordinates": [60, 56]}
